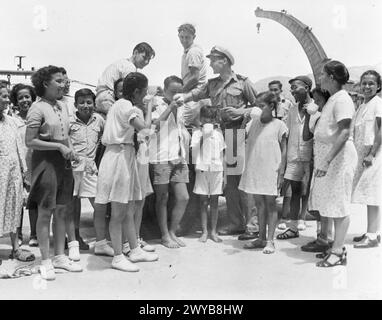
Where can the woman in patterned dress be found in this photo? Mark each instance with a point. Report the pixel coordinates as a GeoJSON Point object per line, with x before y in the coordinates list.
{"type": "Point", "coordinates": [12, 166]}
{"type": "Point", "coordinates": [22, 96]}
{"type": "Point", "coordinates": [367, 186]}
{"type": "Point", "coordinates": [335, 160]}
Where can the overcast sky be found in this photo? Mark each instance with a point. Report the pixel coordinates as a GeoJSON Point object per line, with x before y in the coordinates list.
{"type": "Point", "coordinates": [85, 36]}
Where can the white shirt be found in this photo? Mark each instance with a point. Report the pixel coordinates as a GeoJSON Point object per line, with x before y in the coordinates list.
{"type": "Point", "coordinates": [298, 149]}
{"type": "Point", "coordinates": [117, 70]}
{"type": "Point", "coordinates": [207, 151]}
{"type": "Point", "coordinates": [171, 140]}
{"type": "Point", "coordinates": [339, 107]}
{"type": "Point", "coordinates": [118, 129]}
{"type": "Point", "coordinates": [194, 57]}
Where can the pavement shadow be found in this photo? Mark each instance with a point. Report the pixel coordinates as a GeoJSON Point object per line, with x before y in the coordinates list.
{"type": "Point", "coordinates": [97, 263]}
{"type": "Point", "coordinates": [236, 245]}
{"type": "Point", "coordinates": [296, 253]}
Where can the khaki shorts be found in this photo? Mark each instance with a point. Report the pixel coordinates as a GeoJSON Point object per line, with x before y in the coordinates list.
{"type": "Point", "coordinates": [164, 173]}
{"type": "Point", "coordinates": [300, 171]}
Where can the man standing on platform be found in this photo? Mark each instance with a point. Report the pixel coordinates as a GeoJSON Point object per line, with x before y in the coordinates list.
{"type": "Point", "coordinates": [142, 54]}
{"type": "Point", "coordinates": [193, 70]}
{"type": "Point", "coordinates": [232, 94]}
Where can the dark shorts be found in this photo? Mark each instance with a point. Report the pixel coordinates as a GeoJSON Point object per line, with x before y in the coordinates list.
{"type": "Point", "coordinates": [52, 180]}
{"type": "Point", "coordinates": [164, 173]}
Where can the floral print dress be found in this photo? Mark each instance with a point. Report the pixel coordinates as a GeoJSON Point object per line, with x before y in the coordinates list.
{"type": "Point", "coordinates": [11, 181]}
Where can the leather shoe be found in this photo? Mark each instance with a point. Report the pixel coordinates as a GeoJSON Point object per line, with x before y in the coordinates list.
{"type": "Point", "coordinates": [247, 235]}
{"type": "Point", "coordinates": [360, 238]}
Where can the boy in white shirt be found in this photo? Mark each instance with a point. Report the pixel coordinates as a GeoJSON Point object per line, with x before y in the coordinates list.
{"type": "Point", "coordinates": [207, 153]}
{"type": "Point", "coordinates": [168, 166]}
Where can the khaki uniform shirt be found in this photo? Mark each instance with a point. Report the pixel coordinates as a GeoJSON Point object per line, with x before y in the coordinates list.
{"type": "Point", "coordinates": [237, 92]}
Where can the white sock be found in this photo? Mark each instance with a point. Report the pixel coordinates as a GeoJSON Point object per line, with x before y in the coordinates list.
{"type": "Point", "coordinates": [371, 236]}
{"type": "Point", "coordinates": [126, 245]}
{"type": "Point", "coordinates": [46, 262]}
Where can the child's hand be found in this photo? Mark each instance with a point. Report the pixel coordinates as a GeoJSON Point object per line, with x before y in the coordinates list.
{"type": "Point", "coordinates": [247, 118]}
{"type": "Point", "coordinates": [174, 105]}
{"type": "Point", "coordinates": [179, 99]}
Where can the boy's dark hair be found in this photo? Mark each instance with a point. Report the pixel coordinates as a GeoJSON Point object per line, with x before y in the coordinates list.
{"type": "Point", "coordinates": [172, 79]}
{"type": "Point", "coordinates": [42, 75]}
{"type": "Point", "coordinates": [63, 70]}
{"type": "Point", "coordinates": [20, 86]}
{"type": "Point", "coordinates": [275, 82]}
{"type": "Point", "coordinates": [322, 93]}
{"type": "Point", "coordinates": [376, 75]}
{"type": "Point", "coordinates": [133, 81]}
{"type": "Point", "coordinates": [187, 27]}
{"type": "Point", "coordinates": [146, 48]}
{"type": "Point", "coordinates": [209, 112]}
{"type": "Point", "coordinates": [84, 92]}
{"type": "Point", "coordinates": [116, 83]}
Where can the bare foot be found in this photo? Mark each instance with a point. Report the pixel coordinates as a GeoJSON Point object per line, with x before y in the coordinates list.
{"type": "Point", "coordinates": [204, 237]}
{"type": "Point", "coordinates": [169, 243]}
{"type": "Point", "coordinates": [177, 240]}
{"type": "Point", "coordinates": [215, 238]}
{"type": "Point", "coordinates": [269, 248]}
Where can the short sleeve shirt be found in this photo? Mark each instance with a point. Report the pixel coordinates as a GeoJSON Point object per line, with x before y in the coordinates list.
{"type": "Point", "coordinates": [236, 92]}
{"type": "Point", "coordinates": [365, 121]}
{"type": "Point", "coordinates": [171, 139]}
{"type": "Point", "coordinates": [207, 152]}
{"type": "Point", "coordinates": [85, 137]}
{"type": "Point", "coordinates": [298, 149]}
{"type": "Point", "coordinates": [194, 57]}
{"type": "Point", "coordinates": [52, 120]}
{"type": "Point", "coordinates": [339, 107]}
{"type": "Point", "coordinates": [118, 128]}
{"type": "Point", "coordinates": [117, 70]}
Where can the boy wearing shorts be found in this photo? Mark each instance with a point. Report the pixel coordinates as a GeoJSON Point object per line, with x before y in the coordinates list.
{"type": "Point", "coordinates": [299, 156]}
{"type": "Point", "coordinates": [86, 128]}
{"type": "Point", "coordinates": [207, 150]}
{"type": "Point", "coordinates": [167, 157]}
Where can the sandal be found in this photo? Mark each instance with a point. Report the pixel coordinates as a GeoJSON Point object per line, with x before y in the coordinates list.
{"type": "Point", "coordinates": [342, 261]}
{"type": "Point", "coordinates": [22, 255]}
{"type": "Point", "coordinates": [288, 234]}
{"type": "Point", "coordinates": [323, 255]}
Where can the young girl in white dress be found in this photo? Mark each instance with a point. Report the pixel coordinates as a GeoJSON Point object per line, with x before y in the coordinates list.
{"type": "Point", "coordinates": [119, 178]}
{"type": "Point", "coordinates": [367, 184]}
{"type": "Point", "coordinates": [265, 160]}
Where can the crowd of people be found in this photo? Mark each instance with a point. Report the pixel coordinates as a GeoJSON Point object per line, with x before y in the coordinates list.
{"type": "Point", "coordinates": [115, 147]}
